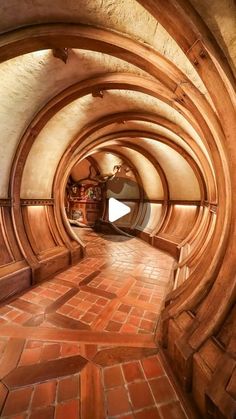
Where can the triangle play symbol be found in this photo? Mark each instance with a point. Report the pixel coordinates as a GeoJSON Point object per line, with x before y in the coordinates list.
{"type": "Point", "coordinates": [116, 209]}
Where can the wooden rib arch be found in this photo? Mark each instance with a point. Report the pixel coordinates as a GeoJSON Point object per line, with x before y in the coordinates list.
{"type": "Point", "coordinates": [185, 284]}
{"type": "Point", "coordinates": [124, 136]}
{"type": "Point", "coordinates": [65, 169]}
{"type": "Point", "coordinates": [112, 81]}
{"type": "Point", "coordinates": [188, 30]}
{"type": "Point", "coordinates": [93, 144]}
{"type": "Point", "coordinates": [143, 152]}
{"type": "Point", "coordinates": [160, 172]}
{"type": "Point", "coordinates": [184, 27]}
{"type": "Point", "coordinates": [182, 22]}
{"type": "Point", "coordinates": [109, 82]}
{"type": "Point", "coordinates": [224, 218]}
{"type": "Point", "coordinates": [78, 90]}
{"type": "Point", "coordinates": [45, 34]}
{"type": "Point", "coordinates": [121, 136]}
{"type": "Point", "coordinates": [155, 119]}
{"type": "Point", "coordinates": [29, 39]}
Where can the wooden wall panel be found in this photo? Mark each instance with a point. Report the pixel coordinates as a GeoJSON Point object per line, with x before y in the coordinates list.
{"type": "Point", "coordinates": [166, 244]}
{"type": "Point", "coordinates": [15, 274]}
{"type": "Point", "coordinates": [178, 223]}
{"type": "Point", "coordinates": [9, 232]}
{"type": "Point", "coordinates": [181, 221]}
{"type": "Point", "coordinates": [196, 236]}
{"type": "Point", "coordinates": [14, 278]}
{"type": "Point", "coordinates": [39, 235]}
{"type": "Point", "coordinates": [205, 242]}
{"type": "Point", "coordinates": [153, 213]}
{"type": "Point", "coordinates": [224, 334]}
{"type": "Point", "coordinates": [38, 229]}
{"type": "Point", "coordinates": [53, 262]}
{"type": "Point", "coordinates": [201, 380]}
{"type": "Point", "coordinates": [9, 250]}
{"type": "Point", "coordinates": [6, 255]}
{"type": "Point", "coordinates": [50, 251]}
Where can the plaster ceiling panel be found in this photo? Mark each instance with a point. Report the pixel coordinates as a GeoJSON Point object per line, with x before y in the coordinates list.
{"type": "Point", "coordinates": [106, 162]}
{"type": "Point", "coordinates": [152, 128]}
{"type": "Point", "coordinates": [124, 185]}
{"type": "Point", "coordinates": [168, 47]}
{"type": "Point", "coordinates": [164, 132]}
{"type": "Point", "coordinates": [117, 101]}
{"type": "Point", "coordinates": [52, 141]}
{"type": "Point", "coordinates": [181, 178]}
{"type": "Point", "coordinates": [176, 139]}
{"type": "Point", "coordinates": [126, 16]}
{"type": "Point", "coordinates": [118, 127]}
{"type": "Point", "coordinates": [148, 127]}
{"type": "Point", "coordinates": [28, 82]}
{"type": "Point", "coordinates": [151, 181]}
{"type": "Point", "coordinates": [220, 17]}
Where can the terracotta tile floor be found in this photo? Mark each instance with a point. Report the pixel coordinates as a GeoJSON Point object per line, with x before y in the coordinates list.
{"type": "Point", "coordinates": [81, 345]}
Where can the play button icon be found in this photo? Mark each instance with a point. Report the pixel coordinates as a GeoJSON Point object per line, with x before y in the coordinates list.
{"type": "Point", "coordinates": [116, 209]}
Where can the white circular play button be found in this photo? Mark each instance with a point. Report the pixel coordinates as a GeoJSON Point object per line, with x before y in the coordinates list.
{"type": "Point", "coordinates": [117, 209]}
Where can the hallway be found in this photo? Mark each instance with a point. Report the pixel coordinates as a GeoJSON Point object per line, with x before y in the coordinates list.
{"type": "Point", "coordinates": [107, 105]}
{"type": "Point", "coordinates": [84, 340]}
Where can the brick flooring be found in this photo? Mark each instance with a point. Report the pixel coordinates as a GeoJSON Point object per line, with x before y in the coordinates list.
{"type": "Point", "coordinates": [81, 345]}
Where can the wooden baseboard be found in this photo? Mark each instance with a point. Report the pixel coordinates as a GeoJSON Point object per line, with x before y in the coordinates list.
{"type": "Point", "coordinates": [15, 279]}
{"type": "Point", "coordinates": [185, 398]}
{"type": "Point", "coordinates": [166, 245]}
{"type": "Point", "coordinates": [51, 264]}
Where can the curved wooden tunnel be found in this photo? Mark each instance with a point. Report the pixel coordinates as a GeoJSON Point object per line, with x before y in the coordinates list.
{"type": "Point", "coordinates": [175, 122]}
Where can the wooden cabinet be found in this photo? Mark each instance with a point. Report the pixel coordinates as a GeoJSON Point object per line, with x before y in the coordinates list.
{"type": "Point", "coordinates": [86, 211]}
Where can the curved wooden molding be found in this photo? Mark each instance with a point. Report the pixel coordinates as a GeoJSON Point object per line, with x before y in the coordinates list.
{"type": "Point", "coordinates": [36, 202]}
{"type": "Point", "coordinates": [201, 159]}
{"type": "Point", "coordinates": [200, 53]}
{"type": "Point", "coordinates": [123, 137]}
{"type": "Point", "coordinates": [4, 202]}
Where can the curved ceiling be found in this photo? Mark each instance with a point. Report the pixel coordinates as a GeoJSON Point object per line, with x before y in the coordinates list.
{"type": "Point", "coordinates": [52, 141]}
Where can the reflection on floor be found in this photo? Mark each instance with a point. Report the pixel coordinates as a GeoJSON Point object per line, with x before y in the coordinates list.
{"type": "Point", "coordinates": [81, 344]}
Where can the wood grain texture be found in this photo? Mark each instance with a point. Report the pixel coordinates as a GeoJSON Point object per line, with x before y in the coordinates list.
{"type": "Point", "coordinates": [111, 356]}
{"type": "Point", "coordinates": [97, 291]}
{"type": "Point", "coordinates": [65, 322]}
{"type": "Point", "coordinates": [23, 376]}
{"type": "Point", "coordinates": [92, 395]}
{"type": "Point", "coordinates": [62, 300]}
{"type": "Point", "coordinates": [64, 335]}
{"type": "Point", "coordinates": [11, 355]}
{"type": "Point", "coordinates": [26, 306]}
